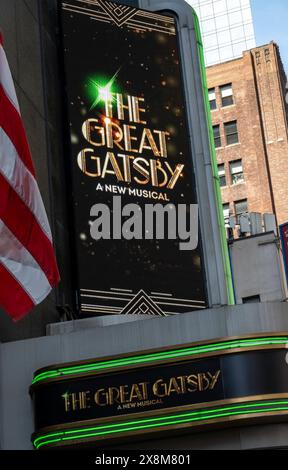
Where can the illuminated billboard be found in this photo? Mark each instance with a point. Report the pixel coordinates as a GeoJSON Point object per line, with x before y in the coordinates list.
{"type": "Point", "coordinates": [129, 145]}
{"type": "Point", "coordinates": [157, 392]}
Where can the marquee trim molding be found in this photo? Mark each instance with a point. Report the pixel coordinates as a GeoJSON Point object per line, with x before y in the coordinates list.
{"type": "Point", "coordinates": [175, 354]}
{"type": "Point", "coordinates": [207, 414]}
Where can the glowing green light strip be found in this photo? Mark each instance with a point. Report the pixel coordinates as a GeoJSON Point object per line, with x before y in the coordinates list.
{"type": "Point", "coordinates": [150, 423]}
{"type": "Point", "coordinates": [217, 189]}
{"type": "Point", "coordinates": [152, 357]}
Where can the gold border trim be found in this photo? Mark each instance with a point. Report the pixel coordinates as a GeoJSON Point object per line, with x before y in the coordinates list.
{"type": "Point", "coordinates": [132, 367]}
{"type": "Point", "coordinates": [158, 22]}
{"type": "Point", "coordinates": [160, 412]}
{"type": "Point", "coordinates": [165, 348]}
{"type": "Point", "coordinates": [193, 426]}
{"type": "Point", "coordinates": [161, 431]}
{"type": "Point", "coordinates": [158, 350]}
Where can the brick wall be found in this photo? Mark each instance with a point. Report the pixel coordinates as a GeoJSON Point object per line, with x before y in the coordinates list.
{"type": "Point", "coordinates": [259, 108]}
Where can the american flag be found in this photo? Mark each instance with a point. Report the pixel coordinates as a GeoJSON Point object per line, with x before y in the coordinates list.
{"type": "Point", "coordinates": [28, 269]}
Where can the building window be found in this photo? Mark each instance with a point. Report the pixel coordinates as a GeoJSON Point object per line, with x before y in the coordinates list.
{"type": "Point", "coordinates": [217, 136]}
{"type": "Point", "coordinates": [231, 132]}
{"type": "Point", "coordinates": [253, 299]}
{"type": "Point", "coordinates": [241, 207]}
{"type": "Point", "coordinates": [212, 99]}
{"type": "Point", "coordinates": [236, 171]}
{"type": "Point", "coordinates": [227, 95]}
{"type": "Point", "coordinates": [226, 213]}
{"type": "Point", "coordinates": [222, 175]}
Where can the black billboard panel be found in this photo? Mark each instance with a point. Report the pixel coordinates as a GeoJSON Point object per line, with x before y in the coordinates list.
{"type": "Point", "coordinates": [129, 144]}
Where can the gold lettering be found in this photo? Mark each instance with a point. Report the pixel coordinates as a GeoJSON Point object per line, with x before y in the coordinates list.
{"type": "Point", "coordinates": [175, 174]}
{"type": "Point", "coordinates": [135, 393]}
{"type": "Point", "coordinates": [137, 166]}
{"type": "Point", "coordinates": [128, 138]}
{"type": "Point", "coordinates": [173, 387]}
{"type": "Point", "coordinates": [121, 107]}
{"type": "Point", "coordinates": [110, 158]}
{"type": "Point", "coordinates": [162, 142]}
{"type": "Point", "coordinates": [214, 379]}
{"type": "Point", "coordinates": [76, 401]}
{"type": "Point", "coordinates": [183, 379]}
{"type": "Point", "coordinates": [203, 382]}
{"type": "Point", "coordinates": [144, 387]}
{"type": "Point", "coordinates": [108, 108]}
{"type": "Point", "coordinates": [114, 134]}
{"type": "Point", "coordinates": [156, 167]}
{"type": "Point", "coordinates": [100, 395]}
{"type": "Point", "coordinates": [114, 395]}
{"type": "Point", "coordinates": [87, 129]}
{"type": "Point", "coordinates": [192, 380]}
{"type": "Point", "coordinates": [137, 110]}
{"type": "Point", "coordinates": [66, 398]}
{"type": "Point", "coordinates": [148, 143]}
{"type": "Point", "coordinates": [160, 388]}
{"type": "Point", "coordinates": [82, 160]}
{"type": "Point", "coordinates": [124, 392]}
{"type": "Point", "coordinates": [126, 166]}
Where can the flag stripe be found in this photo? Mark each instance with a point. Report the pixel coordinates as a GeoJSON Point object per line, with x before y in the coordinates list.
{"type": "Point", "coordinates": [18, 303]}
{"type": "Point", "coordinates": [18, 218]}
{"type": "Point", "coordinates": [22, 181]}
{"type": "Point", "coordinates": [11, 123]}
{"type": "Point", "coordinates": [23, 267]}
{"type": "Point", "coordinates": [28, 268]}
{"type": "Point", "coordinates": [6, 79]}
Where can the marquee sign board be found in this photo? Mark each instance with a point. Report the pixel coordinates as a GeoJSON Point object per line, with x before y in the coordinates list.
{"type": "Point", "coordinates": [114, 395]}
{"type": "Point", "coordinates": [154, 391]}
{"type": "Point", "coordinates": [128, 138]}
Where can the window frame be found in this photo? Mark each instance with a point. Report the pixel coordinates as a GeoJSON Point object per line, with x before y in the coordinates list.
{"type": "Point", "coordinates": [231, 134]}
{"type": "Point", "coordinates": [217, 138]}
{"type": "Point", "coordinates": [222, 176]}
{"type": "Point", "coordinates": [251, 299]}
{"type": "Point", "coordinates": [236, 173]}
{"type": "Point", "coordinates": [214, 101]}
{"type": "Point", "coordinates": [238, 215]}
{"type": "Point", "coordinates": [228, 97]}
{"type": "Point", "coordinates": [226, 220]}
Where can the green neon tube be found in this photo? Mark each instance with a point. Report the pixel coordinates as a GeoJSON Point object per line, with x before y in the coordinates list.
{"type": "Point", "coordinates": [150, 423]}
{"type": "Point", "coordinates": [169, 423]}
{"type": "Point", "coordinates": [146, 358]}
{"type": "Point", "coordinates": [224, 244]}
{"type": "Point", "coordinates": [136, 360]}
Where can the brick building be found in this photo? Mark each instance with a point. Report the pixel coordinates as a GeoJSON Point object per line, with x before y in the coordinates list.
{"type": "Point", "coordinates": [249, 115]}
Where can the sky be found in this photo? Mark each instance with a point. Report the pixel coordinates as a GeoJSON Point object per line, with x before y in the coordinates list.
{"type": "Point", "coordinates": [271, 23]}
